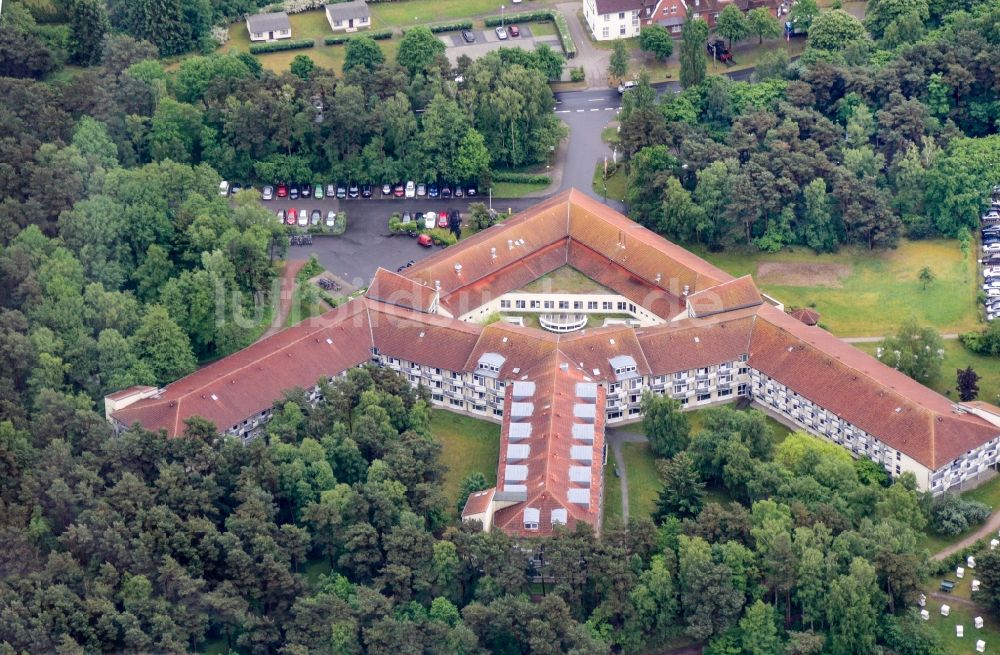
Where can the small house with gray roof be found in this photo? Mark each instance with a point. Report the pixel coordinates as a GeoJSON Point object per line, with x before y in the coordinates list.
{"type": "Point", "coordinates": [269, 27]}
{"type": "Point", "coordinates": [348, 16]}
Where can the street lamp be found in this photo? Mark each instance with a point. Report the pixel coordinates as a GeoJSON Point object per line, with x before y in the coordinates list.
{"type": "Point", "coordinates": [501, 15]}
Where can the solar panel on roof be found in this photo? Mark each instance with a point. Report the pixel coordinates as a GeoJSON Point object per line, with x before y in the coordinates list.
{"type": "Point", "coordinates": [518, 431]}
{"type": "Point", "coordinates": [513, 488]}
{"type": "Point", "coordinates": [621, 361]}
{"type": "Point", "coordinates": [518, 451]}
{"type": "Point", "coordinates": [583, 431]}
{"type": "Point", "coordinates": [587, 390]}
{"type": "Point", "coordinates": [493, 359]}
{"type": "Point", "coordinates": [579, 474]}
{"type": "Point", "coordinates": [581, 453]}
{"type": "Point", "coordinates": [516, 472]}
{"type": "Point", "coordinates": [558, 516]}
{"type": "Point", "coordinates": [521, 410]}
{"type": "Point", "coordinates": [523, 389]}
{"type": "Point", "coordinates": [579, 496]}
{"type": "Point", "coordinates": [581, 410]}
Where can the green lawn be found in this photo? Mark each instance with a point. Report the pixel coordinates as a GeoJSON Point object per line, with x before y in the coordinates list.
{"type": "Point", "coordinates": [859, 292]}
{"type": "Point", "coordinates": [988, 493]}
{"type": "Point", "coordinates": [961, 615]}
{"type": "Point", "coordinates": [956, 357]}
{"type": "Point", "coordinates": [564, 279]}
{"type": "Point", "coordinates": [746, 55]}
{"type": "Point", "coordinates": [617, 181]}
{"type": "Point", "coordinates": [515, 189]}
{"type": "Point", "coordinates": [612, 491]}
{"type": "Point", "coordinates": [544, 28]}
{"type": "Point", "coordinates": [414, 12]}
{"type": "Point", "coordinates": [469, 445]}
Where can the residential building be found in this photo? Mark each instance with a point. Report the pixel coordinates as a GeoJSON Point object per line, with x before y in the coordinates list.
{"type": "Point", "coordinates": [269, 27]}
{"type": "Point", "coordinates": [348, 16]}
{"type": "Point", "coordinates": [615, 19]}
{"type": "Point", "coordinates": [692, 332]}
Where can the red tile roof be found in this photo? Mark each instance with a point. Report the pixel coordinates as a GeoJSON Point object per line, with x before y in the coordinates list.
{"type": "Point", "coordinates": [394, 289]}
{"type": "Point", "coordinates": [805, 315]}
{"type": "Point", "coordinates": [478, 502]}
{"type": "Point", "coordinates": [725, 297]}
{"type": "Point", "coordinates": [695, 343]}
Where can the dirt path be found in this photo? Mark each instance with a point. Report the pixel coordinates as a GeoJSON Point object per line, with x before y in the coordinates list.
{"type": "Point", "coordinates": [292, 268]}
{"type": "Point", "coordinates": [986, 529]}
{"type": "Point", "coordinates": [954, 600]}
{"type": "Point", "coordinates": [615, 439]}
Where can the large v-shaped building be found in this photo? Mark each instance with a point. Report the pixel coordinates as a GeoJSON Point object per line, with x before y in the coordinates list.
{"type": "Point", "coordinates": [671, 323]}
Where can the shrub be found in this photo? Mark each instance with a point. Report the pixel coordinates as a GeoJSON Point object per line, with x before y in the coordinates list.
{"type": "Point", "coordinates": [441, 236]}
{"type": "Point", "coordinates": [311, 268]}
{"type": "Point", "coordinates": [520, 178]}
{"type": "Point", "coordinates": [577, 74]}
{"type": "Point", "coordinates": [377, 35]}
{"type": "Point", "coordinates": [278, 46]}
{"type": "Point", "coordinates": [952, 515]}
{"type": "Point", "coordinates": [448, 27]}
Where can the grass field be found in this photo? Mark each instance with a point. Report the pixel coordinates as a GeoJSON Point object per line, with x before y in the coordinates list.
{"type": "Point", "coordinates": [956, 357]}
{"type": "Point", "coordinates": [617, 181]}
{"type": "Point", "coordinates": [987, 493]}
{"type": "Point", "coordinates": [414, 12]}
{"type": "Point", "coordinates": [863, 293]}
{"type": "Point", "coordinates": [564, 279]}
{"type": "Point", "coordinates": [469, 445]}
{"type": "Point", "coordinates": [962, 615]}
{"type": "Point", "coordinates": [612, 491]}
{"type": "Point", "coordinates": [515, 189]}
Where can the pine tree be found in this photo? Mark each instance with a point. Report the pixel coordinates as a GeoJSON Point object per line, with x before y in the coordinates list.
{"type": "Point", "coordinates": [968, 384]}
{"type": "Point", "coordinates": [88, 25]}
{"type": "Point", "coordinates": [692, 57]}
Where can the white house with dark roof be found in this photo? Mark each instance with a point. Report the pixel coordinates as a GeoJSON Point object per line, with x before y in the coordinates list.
{"type": "Point", "coordinates": [348, 16]}
{"type": "Point", "coordinates": [616, 19]}
{"type": "Point", "coordinates": [269, 27]}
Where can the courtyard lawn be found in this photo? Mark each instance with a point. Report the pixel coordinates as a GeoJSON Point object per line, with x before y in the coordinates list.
{"type": "Point", "coordinates": [859, 292]}
{"type": "Point", "coordinates": [414, 12]}
{"type": "Point", "coordinates": [962, 615]}
{"type": "Point", "coordinates": [643, 479]}
{"type": "Point", "coordinates": [956, 357]}
{"type": "Point", "coordinates": [543, 28]}
{"type": "Point", "coordinates": [468, 445]}
{"type": "Point", "coordinates": [617, 181]}
{"type": "Point", "coordinates": [612, 491]}
{"type": "Point", "coordinates": [515, 189]}
{"type": "Point", "coordinates": [564, 279]}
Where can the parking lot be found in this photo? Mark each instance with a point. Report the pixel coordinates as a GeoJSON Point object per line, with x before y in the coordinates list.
{"type": "Point", "coordinates": [486, 41]}
{"type": "Point", "coordinates": [354, 256]}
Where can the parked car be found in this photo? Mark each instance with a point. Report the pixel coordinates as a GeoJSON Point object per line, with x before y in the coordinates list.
{"type": "Point", "coordinates": [991, 215]}
{"type": "Point", "coordinates": [514, 30]}
{"type": "Point", "coordinates": [223, 188]}
{"type": "Point", "coordinates": [470, 191]}
{"type": "Point", "coordinates": [993, 293]}
{"type": "Point", "coordinates": [433, 191]}
{"type": "Point", "coordinates": [418, 218]}
{"type": "Point", "coordinates": [443, 220]}
{"type": "Point", "coordinates": [719, 50]}
{"type": "Point", "coordinates": [992, 284]}
{"type": "Point", "coordinates": [405, 218]}
{"type": "Point", "coordinates": [305, 191]}
{"type": "Point", "coordinates": [627, 86]}
{"type": "Point", "coordinates": [267, 193]}
{"type": "Point", "coordinates": [293, 192]}
{"type": "Point", "coordinates": [303, 218]}
{"type": "Point", "coordinates": [331, 190]}
{"type": "Point", "coordinates": [318, 192]}
{"type": "Point", "coordinates": [366, 191]}
{"type": "Point", "coordinates": [430, 220]}
{"type": "Point", "coordinates": [458, 191]}
{"type": "Point", "coordinates": [411, 189]}
{"type": "Point", "coordinates": [386, 189]}
{"type": "Point", "coordinates": [290, 218]}
{"type": "Point", "coordinates": [992, 271]}
{"type": "Point", "coordinates": [445, 191]}
{"type": "Point", "coordinates": [502, 33]}
{"type": "Point", "coordinates": [341, 191]}
{"type": "Point", "coordinates": [354, 190]}
{"type": "Point", "coordinates": [235, 187]}
{"type": "Point", "coordinates": [281, 215]}
{"type": "Point", "coordinates": [315, 217]}
{"type": "Point", "coordinates": [421, 190]}
{"type": "Point", "coordinates": [398, 191]}
{"type": "Point", "coordinates": [282, 190]}
{"type": "Point", "coordinates": [331, 218]}
{"type": "Point", "coordinates": [425, 240]}
{"type": "Point", "coordinates": [992, 247]}
{"type": "Point", "coordinates": [469, 36]}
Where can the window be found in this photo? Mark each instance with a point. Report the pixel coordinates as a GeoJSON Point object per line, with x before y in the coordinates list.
{"type": "Point", "coordinates": [530, 526]}
{"type": "Point", "coordinates": [704, 396]}
{"type": "Point", "coordinates": [577, 304]}
{"type": "Point", "coordinates": [607, 304]}
{"type": "Point", "coordinates": [535, 304]}
{"type": "Point", "coordinates": [591, 304]}
{"type": "Point", "coordinates": [549, 304]}
{"type": "Point", "coordinates": [621, 15]}
{"type": "Point", "coordinates": [673, 9]}
{"type": "Point", "coordinates": [504, 304]}
{"type": "Point", "coordinates": [680, 376]}
{"type": "Point", "coordinates": [622, 370]}
{"type": "Point", "coordinates": [563, 304]}
{"type": "Point", "coordinates": [621, 30]}
{"type": "Point", "coordinates": [519, 304]}
{"type": "Point", "coordinates": [622, 306]}
{"type": "Point", "coordinates": [725, 392]}
{"type": "Point", "coordinates": [631, 308]}
{"type": "Point", "coordinates": [680, 388]}
{"type": "Point", "coordinates": [676, 29]}
{"type": "Point", "coordinates": [743, 357]}
{"type": "Point", "coordinates": [338, 23]}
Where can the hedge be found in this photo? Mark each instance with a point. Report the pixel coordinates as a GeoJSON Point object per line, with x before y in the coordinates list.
{"type": "Point", "coordinates": [278, 46]}
{"type": "Point", "coordinates": [520, 178]}
{"type": "Point", "coordinates": [377, 35]}
{"type": "Point", "coordinates": [446, 27]}
{"type": "Point", "coordinates": [562, 27]}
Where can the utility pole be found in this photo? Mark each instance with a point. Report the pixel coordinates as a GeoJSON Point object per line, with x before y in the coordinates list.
{"type": "Point", "coordinates": [501, 15]}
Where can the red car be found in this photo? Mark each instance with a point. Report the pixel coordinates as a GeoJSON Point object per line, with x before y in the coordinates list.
{"type": "Point", "coordinates": [443, 219]}
{"type": "Point", "coordinates": [514, 31]}
{"type": "Point", "coordinates": [425, 240]}
{"type": "Point", "coordinates": [292, 214]}
{"type": "Point", "coordinates": [398, 191]}
{"type": "Point", "coordinates": [282, 191]}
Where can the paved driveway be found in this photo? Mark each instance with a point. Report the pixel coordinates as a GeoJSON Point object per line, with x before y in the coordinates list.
{"type": "Point", "coordinates": [487, 41]}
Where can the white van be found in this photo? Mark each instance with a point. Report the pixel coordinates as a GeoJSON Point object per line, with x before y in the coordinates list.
{"type": "Point", "coordinates": [303, 218]}
{"type": "Point", "coordinates": [223, 188]}
{"type": "Point", "coordinates": [430, 220]}
{"type": "Point", "coordinates": [411, 189]}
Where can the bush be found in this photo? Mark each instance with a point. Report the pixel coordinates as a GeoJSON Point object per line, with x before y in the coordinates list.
{"type": "Point", "coordinates": [577, 74]}
{"type": "Point", "coordinates": [311, 268]}
{"type": "Point", "coordinates": [952, 515]}
{"type": "Point", "coordinates": [278, 46]}
{"type": "Point", "coordinates": [377, 35]}
{"type": "Point", "coordinates": [447, 27]}
{"type": "Point", "coordinates": [441, 236]}
{"type": "Point", "coordinates": [520, 178]}
{"type": "Point", "coordinates": [562, 27]}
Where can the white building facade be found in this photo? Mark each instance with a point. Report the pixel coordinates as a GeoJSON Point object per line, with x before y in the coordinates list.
{"type": "Point", "coordinates": [613, 19]}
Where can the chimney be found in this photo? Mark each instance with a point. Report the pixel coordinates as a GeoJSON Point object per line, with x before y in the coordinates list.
{"type": "Point", "coordinates": [493, 253]}
{"type": "Point", "coordinates": [458, 269]}
{"type": "Point", "coordinates": [687, 290]}
{"type": "Point", "coordinates": [510, 244]}
{"type": "Point", "coordinates": [658, 278]}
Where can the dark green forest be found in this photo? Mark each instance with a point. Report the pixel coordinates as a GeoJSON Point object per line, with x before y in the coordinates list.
{"type": "Point", "coordinates": [870, 136]}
